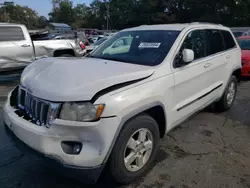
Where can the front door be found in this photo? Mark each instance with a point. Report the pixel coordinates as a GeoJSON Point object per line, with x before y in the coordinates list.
{"type": "Point", "coordinates": [15, 48]}
{"type": "Point", "coordinates": [194, 85]}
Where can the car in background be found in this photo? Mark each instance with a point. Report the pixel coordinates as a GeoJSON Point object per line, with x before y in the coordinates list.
{"type": "Point", "coordinates": [121, 45]}
{"type": "Point", "coordinates": [109, 34]}
{"type": "Point", "coordinates": [92, 47]}
{"type": "Point", "coordinates": [49, 36]}
{"type": "Point", "coordinates": [95, 38]}
{"type": "Point", "coordinates": [238, 33]}
{"type": "Point", "coordinates": [18, 47]}
{"type": "Point", "coordinates": [244, 43]}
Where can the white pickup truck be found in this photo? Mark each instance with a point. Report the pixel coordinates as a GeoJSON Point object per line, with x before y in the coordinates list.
{"type": "Point", "coordinates": [17, 49]}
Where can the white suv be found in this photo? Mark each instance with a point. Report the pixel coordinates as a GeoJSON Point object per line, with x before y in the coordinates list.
{"type": "Point", "coordinates": [112, 107]}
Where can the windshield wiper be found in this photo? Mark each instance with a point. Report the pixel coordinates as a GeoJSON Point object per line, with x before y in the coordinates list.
{"type": "Point", "coordinates": [115, 59]}
{"type": "Point", "coordinates": [109, 58]}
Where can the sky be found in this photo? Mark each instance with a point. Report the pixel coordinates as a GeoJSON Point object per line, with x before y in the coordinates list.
{"type": "Point", "coordinates": [42, 7]}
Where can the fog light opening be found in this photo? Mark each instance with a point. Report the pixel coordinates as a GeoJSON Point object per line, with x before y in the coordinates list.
{"type": "Point", "coordinates": [77, 148]}
{"type": "Point", "coordinates": [71, 147]}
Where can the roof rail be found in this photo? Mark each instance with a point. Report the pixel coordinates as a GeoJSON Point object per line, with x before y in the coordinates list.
{"type": "Point", "coordinates": [206, 23]}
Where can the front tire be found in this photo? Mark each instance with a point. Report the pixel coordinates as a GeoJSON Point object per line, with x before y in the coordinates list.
{"type": "Point", "coordinates": [227, 100]}
{"type": "Point", "coordinates": [134, 150]}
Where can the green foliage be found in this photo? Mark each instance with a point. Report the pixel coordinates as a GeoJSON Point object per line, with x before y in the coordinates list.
{"type": "Point", "coordinates": [63, 12]}
{"type": "Point", "coordinates": [23, 15]}
{"type": "Point", "coordinates": [128, 13]}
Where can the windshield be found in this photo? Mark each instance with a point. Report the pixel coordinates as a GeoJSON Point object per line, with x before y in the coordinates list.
{"type": "Point", "coordinates": [244, 44]}
{"type": "Point", "coordinates": [100, 41]}
{"type": "Point", "coordinates": [148, 47]}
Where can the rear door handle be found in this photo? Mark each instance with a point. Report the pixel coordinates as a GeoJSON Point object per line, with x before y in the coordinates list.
{"type": "Point", "coordinates": [207, 65]}
{"type": "Point", "coordinates": [25, 45]}
{"type": "Point", "coordinates": [228, 57]}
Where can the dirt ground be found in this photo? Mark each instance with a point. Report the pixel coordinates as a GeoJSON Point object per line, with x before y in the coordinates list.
{"type": "Point", "coordinates": [209, 150]}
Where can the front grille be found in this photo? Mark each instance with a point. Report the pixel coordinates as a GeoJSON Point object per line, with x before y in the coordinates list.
{"type": "Point", "coordinates": [36, 110]}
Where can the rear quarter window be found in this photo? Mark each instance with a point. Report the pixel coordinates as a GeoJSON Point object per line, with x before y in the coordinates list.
{"type": "Point", "coordinates": [8, 33]}
{"type": "Point", "coordinates": [228, 40]}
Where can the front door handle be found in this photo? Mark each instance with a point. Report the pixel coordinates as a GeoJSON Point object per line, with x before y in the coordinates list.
{"type": "Point", "coordinates": [25, 45]}
{"type": "Point", "coordinates": [207, 65]}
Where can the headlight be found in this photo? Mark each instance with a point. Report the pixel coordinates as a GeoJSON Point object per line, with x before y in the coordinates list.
{"type": "Point", "coordinates": [81, 111]}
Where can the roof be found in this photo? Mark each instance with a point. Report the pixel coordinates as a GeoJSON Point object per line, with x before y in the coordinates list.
{"type": "Point", "coordinates": [60, 25]}
{"type": "Point", "coordinates": [10, 24]}
{"type": "Point", "coordinates": [176, 27]}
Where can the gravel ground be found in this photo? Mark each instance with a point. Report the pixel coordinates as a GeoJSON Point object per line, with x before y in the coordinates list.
{"type": "Point", "coordinates": [209, 150]}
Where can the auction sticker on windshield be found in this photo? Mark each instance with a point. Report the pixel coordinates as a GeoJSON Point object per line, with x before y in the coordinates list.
{"type": "Point", "coordinates": [149, 45]}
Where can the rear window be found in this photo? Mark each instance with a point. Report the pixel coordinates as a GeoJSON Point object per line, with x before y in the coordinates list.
{"type": "Point", "coordinates": [228, 39]}
{"type": "Point", "coordinates": [8, 33]}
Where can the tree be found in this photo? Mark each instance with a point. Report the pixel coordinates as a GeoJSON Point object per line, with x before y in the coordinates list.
{"type": "Point", "coordinates": [81, 16]}
{"type": "Point", "coordinates": [128, 13]}
{"type": "Point", "coordinates": [228, 12]}
{"type": "Point", "coordinates": [96, 14]}
{"type": "Point", "coordinates": [63, 12]}
{"type": "Point", "coordinates": [21, 14]}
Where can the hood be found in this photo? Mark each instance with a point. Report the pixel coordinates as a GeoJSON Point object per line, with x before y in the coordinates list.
{"type": "Point", "coordinates": [69, 79]}
{"type": "Point", "coordinates": [245, 54]}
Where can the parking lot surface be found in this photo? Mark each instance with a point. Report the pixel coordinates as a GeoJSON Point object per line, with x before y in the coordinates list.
{"type": "Point", "coordinates": [208, 150]}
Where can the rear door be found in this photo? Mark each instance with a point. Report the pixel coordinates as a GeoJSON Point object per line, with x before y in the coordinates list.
{"type": "Point", "coordinates": [219, 52]}
{"type": "Point", "coordinates": [15, 47]}
{"type": "Point", "coordinates": [232, 53]}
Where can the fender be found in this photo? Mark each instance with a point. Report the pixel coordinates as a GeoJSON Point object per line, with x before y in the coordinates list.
{"type": "Point", "coordinates": [225, 85]}
{"type": "Point", "coordinates": [129, 116]}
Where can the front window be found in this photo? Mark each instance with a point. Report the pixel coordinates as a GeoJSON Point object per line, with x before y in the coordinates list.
{"type": "Point", "coordinates": [244, 44]}
{"type": "Point", "coordinates": [148, 47]}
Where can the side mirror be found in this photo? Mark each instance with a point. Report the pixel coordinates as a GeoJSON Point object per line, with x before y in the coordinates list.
{"type": "Point", "coordinates": [187, 55]}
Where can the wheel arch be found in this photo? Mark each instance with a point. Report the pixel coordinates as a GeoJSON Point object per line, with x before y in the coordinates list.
{"type": "Point", "coordinates": [237, 74]}
{"type": "Point", "coordinates": [150, 109]}
{"type": "Point", "coordinates": [59, 52]}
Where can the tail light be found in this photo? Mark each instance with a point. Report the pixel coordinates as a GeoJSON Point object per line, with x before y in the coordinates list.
{"type": "Point", "coordinates": [82, 46]}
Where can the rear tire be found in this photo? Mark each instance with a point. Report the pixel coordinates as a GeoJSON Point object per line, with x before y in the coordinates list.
{"type": "Point", "coordinates": [126, 164]}
{"type": "Point", "coordinates": [227, 100]}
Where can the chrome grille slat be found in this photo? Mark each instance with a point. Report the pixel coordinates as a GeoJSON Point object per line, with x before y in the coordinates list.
{"type": "Point", "coordinates": [31, 109]}
{"type": "Point", "coordinates": [30, 104]}
{"type": "Point", "coordinates": [37, 109]}
{"type": "Point", "coordinates": [41, 113]}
